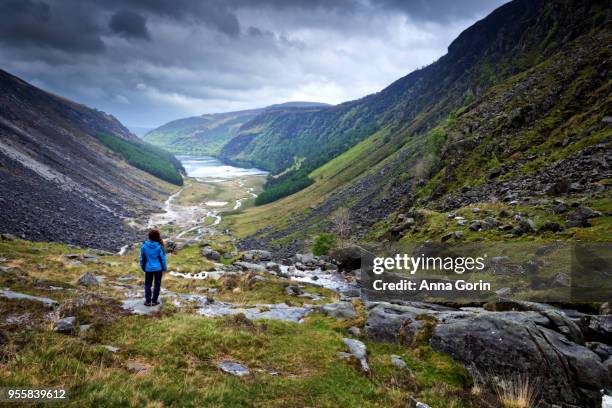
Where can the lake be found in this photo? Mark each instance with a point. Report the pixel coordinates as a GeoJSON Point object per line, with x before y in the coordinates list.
{"type": "Point", "coordinates": [207, 167]}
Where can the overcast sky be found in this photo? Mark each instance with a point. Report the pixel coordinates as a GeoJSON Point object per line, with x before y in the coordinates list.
{"type": "Point", "coordinates": [151, 61]}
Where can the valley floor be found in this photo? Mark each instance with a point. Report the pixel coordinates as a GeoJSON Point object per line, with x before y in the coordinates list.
{"type": "Point", "coordinates": [234, 329]}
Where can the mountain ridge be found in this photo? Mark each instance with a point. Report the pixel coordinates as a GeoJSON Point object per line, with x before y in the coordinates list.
{"type": "Point", "coordinates": [524, 85]}
{"type": "Point", "coordinates": [209, 132]}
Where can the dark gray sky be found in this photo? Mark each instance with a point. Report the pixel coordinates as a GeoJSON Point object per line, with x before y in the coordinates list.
{"type": "Point", "coordinates": [151, 61]}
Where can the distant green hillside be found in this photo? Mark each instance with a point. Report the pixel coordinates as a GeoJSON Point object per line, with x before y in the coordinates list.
{"type": "Point", "coordinates": [205, 134]}
{"type": "Point", "coordinates": [505, 43]}
{"type": "Point", "coordinates": [519, 109]}
{"type": "Point", "coordinates": [146, 157]}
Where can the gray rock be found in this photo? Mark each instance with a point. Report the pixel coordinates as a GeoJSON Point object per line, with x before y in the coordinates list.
{"type": "Point", "coordinates": [7, 237]}
{"type": "Point", "coordinates": [135, 367]}
{"type": "Point", "coordinates": [503, 343]}
{"type": "Point", "coordinates": [9, 294]}
{"type": "Point", "coordinates": [232, 368]}
{"type": "Point", "coordinates": [256, 255]}
{"type": "Point", "coordinates": [65, 325]}
{"type": "Point", "coordinates": [136, 306]}
{"type": "Point", "coordinates": [524, 227]}
{"type": "Point", "coordinates": [608, 366]}
{"type": "Point", "coordinates": [394, 323]}
{"type": "Point", "coordinates": [209, 253]}
{"type": "Point", "coordinates": [580, 217]}
{"type": "Point", "coordinates": [273, 266]}
{"type": "Point", "coordinates": [359, 351]}
{"type": "Point", "coordinates": [248, 266]}
{"type": "Point", "coordinates": [351, 293]}
{"type": "Point", "coordinates": [604, 351]}
{"type": "Point", "coordinates": [398, 361]}
{"type": "Point", "coordinates": [451, 235]}
{"type": "Point", "coordinates": [229, 255]}
{"type": "Point", "coordinates": [88, 280]}
{"type": "Point", "coordinates": [413, 403]}
{"type": "Point", "coordinates": [503, 292]}
{"type": "Point", "coordinates": [354, 331]}
{"type": "Point", "coordinates": [112, 349]}
{"type": "Point", "coordinates": [339, 310]}
{"type": "Point", "coordinates": [305, 258]}
{"type": "Point", "coordinates": [479, 225]}
{"type": "Point", "coordinates": [598, 328]}
{"type": "Point", "coordinates": [550, 226]}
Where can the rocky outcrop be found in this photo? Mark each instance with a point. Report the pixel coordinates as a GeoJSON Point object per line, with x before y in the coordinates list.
{"type": "Point", "coordinates": [505, 343]}
{"type": "Point", "coordinates": [535, 339]}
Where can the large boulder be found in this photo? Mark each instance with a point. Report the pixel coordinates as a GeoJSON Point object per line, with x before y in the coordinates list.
{"type": "Point", "coordinates": [347, 258]}
{"type": "Point", "coordinates": [505, 343]}
{"type": "Point", "coordinates": [511, 336]}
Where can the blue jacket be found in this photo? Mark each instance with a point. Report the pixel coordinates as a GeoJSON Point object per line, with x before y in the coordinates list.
{"type": "Point", "coordinates": [152, 257]}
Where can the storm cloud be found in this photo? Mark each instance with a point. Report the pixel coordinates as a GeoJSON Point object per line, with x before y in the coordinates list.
{"type": "Point", "coordinates": [151, 61]}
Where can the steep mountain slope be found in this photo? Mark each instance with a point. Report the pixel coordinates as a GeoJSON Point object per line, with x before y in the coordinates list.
{"type": "Point", "coordinates": [208, 133]}
{"type": "Point", "coordinates": [64, 170]}
{"type": "Point", "coordinates": [517, 104]}
{"type": "Point", "coordinates": [475, 60]}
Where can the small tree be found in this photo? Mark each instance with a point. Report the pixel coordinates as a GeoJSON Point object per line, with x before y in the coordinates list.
{"type": "Point", "coordinates": [342, 224]}
{"type": "Point", "coordinates": [323, 243]}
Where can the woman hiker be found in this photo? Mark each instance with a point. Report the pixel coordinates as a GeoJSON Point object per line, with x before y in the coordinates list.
{"type": "Point", "coordinates": [153, 264]}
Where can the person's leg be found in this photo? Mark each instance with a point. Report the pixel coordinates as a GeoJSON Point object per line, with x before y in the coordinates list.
{"type": "Point", "coordinates": [148, 282]}
{"type": "Point", "coordinates": [156, 288]}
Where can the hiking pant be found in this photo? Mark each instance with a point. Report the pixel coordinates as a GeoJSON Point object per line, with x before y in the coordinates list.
{"type": "Point", "coordinates": [148, 281]}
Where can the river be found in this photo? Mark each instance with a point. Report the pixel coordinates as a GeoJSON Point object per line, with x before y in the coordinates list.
{"type": "Point", "coordinates": [206, 170]}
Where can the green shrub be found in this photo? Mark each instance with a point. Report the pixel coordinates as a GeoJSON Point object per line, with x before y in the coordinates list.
{"type": "Point", "coordinates": [324, 243]}
{"type": "Point", "coordinates": [145, 157]}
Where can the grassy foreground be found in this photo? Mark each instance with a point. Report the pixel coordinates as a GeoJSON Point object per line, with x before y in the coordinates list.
{"type": "Point", "coordinates": [291, 364]}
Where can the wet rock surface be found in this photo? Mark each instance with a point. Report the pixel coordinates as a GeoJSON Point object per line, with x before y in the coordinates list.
{"type": "Point", "coordinates": [232, 368]}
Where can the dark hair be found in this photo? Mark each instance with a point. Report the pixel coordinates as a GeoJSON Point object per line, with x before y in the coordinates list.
{"type": "Point", "coordinates": [155, 236]}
